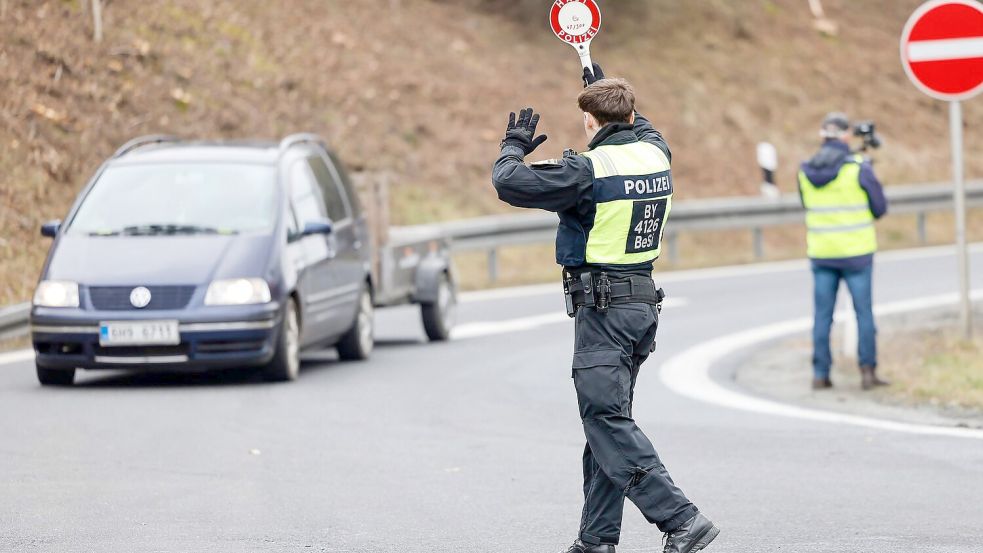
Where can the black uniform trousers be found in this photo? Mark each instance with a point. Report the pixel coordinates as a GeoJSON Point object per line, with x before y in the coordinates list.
{"type": "Point", "coordinates": [619, 460]}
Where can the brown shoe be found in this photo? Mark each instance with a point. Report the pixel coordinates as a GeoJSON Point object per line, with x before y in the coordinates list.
{"type": "Point", "coordinates": [869, 379]}
{"type": "Point", "coordinates": [821, 383]}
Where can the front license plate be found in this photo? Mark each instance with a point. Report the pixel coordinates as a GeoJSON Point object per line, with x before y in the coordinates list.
{"type": "Point", "coordinates": [139, 333]}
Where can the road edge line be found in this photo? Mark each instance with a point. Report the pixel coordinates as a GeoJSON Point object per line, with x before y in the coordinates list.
{"type": "Point", "coordinates": [16, 356]}
{"type": "Point", "coordinates": [703, 273]}
{"type": "Point", "coordinates": [688, 374]}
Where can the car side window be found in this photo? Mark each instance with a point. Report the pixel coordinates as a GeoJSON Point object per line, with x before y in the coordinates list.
{"type": "Point", "coordinates": [334, 198]}
{"type": "Point", "coordinates": [346, 182]}
{"type": "Point", "coordinates": [305, 195]}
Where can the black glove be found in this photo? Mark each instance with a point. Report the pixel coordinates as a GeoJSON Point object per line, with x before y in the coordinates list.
{"type": "Point", "coordinates": [520, 133]}
{"type": "Point", "coordinates": [591, 78]}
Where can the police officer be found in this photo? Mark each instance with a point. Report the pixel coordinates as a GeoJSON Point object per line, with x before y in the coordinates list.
{"type": "Point", "coordinates": [613, 202]}
{"type": "Point", "coordinates": [842, 198]}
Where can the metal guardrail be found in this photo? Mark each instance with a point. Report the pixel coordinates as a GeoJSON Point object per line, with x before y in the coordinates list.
{"type": "Point", "coordinates": [747, 213]}
{"type": "Point", "coordinates": [13, 320]}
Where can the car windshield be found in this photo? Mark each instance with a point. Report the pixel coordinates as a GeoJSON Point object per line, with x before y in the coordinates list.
{"type": "Point", "coordinates": [175, 198]}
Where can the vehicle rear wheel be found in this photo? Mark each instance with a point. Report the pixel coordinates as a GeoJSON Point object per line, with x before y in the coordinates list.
{"type": "Point", "coordinates": [439, 316]}
{"type": "Point", "coordinates": [357, 343]}
{"type": "Point", "coordinates": [285, 364]}
{"type": "Point", "coordinates": [55, 377]}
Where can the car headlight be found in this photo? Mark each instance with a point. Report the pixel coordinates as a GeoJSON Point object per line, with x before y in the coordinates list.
{"type": "Point", "coordinates": [237, 291]}
{"type": "Point", "coordinates": [57, 293]}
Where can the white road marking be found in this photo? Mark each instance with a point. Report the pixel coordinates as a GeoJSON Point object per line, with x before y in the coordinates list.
{"type": "Point", "coordinates": [731, 271]}
{"type": "Point", "coordinates": [945, 49]}
{"type": "Point", "coordinates": [491, 328]}
{"type": "Point", "coordinates": [462, 331]}
{"type": "Point", "coordinates": [688, 373]}
{"type": "Point", "coordinates": [513, 292]}
{"type": "Point", "coordinates": [16, 356]}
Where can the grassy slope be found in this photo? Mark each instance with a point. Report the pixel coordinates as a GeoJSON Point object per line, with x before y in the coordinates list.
{"type": "Point", "coordinates": [421, 91]}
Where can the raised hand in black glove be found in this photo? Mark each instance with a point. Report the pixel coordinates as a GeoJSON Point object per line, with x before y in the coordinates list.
{"type": "Point", "coordinates": [591, 78]}
{"type": "Point", "coordinates": [521, 132]}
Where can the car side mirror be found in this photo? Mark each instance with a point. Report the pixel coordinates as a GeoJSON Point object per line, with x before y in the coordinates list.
{"type": "Point", "coordinates": [320, 226]}
{"type": "Point", "coordinates": [50, 228]}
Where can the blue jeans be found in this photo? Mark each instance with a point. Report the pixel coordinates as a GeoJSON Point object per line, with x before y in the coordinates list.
{"type": "Point", "coordinates": [827, 282]}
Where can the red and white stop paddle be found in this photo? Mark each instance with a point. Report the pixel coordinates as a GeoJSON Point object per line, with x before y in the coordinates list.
{"type": "Point", "coordinates": [576, 22]}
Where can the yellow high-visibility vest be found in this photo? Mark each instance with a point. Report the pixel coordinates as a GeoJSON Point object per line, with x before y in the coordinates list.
{"type": "Point", "coordinates": [633, 198]}
{"type": "Point", "coordinates": [839, 222]}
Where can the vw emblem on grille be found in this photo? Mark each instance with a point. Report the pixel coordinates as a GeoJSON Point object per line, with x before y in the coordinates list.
{"type": "Point", "coordinates": [140, 297]}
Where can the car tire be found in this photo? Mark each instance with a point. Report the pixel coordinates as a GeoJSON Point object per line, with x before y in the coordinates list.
{"type": "Point", "coordinates": [439, 316]}
{"type": "Point", "coordinates": [357, 343]}
{"type": "Point", "coordinates": [285, 364]}
{"type": "Point", "coordinates": [55, 377]}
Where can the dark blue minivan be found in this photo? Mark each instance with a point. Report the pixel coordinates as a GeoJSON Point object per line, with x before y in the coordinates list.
{"type": "Point", "coordinates": [194, 255]}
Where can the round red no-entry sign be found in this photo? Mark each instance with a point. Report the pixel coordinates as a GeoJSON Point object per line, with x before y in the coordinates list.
{"type": "Point", "coordinates": [942, 49]}
{"type": "Point", "coordinates": [575, 21]}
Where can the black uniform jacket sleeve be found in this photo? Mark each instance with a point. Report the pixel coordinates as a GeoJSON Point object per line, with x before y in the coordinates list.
{"type": "Point", "coordinates": [553, 185]}
{"type": "Point", "coordinates": [646, 133]}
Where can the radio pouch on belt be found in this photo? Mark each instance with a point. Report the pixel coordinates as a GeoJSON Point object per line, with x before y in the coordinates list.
{"type": "Point", "coordinates": [588, 283]}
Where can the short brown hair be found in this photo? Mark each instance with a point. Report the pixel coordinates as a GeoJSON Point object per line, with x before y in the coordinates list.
{"type": "Point", "coordinates": [609, 101]}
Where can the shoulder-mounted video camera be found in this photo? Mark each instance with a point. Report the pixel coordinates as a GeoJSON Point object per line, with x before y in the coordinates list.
{"type": "Point", "coordinates": [866, 131]}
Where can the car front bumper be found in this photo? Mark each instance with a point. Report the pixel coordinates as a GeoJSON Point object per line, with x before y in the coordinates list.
{"type": "Point", "coordinates": [211, 338]}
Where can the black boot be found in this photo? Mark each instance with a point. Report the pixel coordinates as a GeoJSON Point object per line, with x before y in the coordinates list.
{"type": "Point", "coordinates": [581, 547]}
{"type": "Point", "coordinates": [821, 383]}
{"type": "Point", "coordinates": [869, 379]}
{"type": "Point", "coordinates": [695, 534]}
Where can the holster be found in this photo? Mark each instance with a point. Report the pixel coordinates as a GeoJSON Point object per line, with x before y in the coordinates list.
{"type": "Point", "coordinates": [598, 291]}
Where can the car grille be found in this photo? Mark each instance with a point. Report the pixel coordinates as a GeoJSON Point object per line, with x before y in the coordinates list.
{"type": "Point", "coordinates": [117, 298]}
{"type": "Point", "coordinates": [141, 351]}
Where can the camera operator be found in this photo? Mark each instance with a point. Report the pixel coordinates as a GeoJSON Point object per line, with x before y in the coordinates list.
{"type": "Point", "coordinates": [842, 198]}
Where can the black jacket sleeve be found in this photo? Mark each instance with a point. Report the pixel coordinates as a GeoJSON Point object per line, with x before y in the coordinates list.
{"type": "Point", "coordinates": [875, 191]}
{"type": "Point", "coordinates": [646, 133]}
{"type": "Point", "coordinates": [553, 185]}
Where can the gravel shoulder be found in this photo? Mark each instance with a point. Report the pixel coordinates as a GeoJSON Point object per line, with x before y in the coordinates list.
{"type": "Point", "coordinates": [908, 355]}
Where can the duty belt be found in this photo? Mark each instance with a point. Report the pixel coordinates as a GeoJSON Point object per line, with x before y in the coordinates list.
{"type": "Point", "coordinates": [599, 291]}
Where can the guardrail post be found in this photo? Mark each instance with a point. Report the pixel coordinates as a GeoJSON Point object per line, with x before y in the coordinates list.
{"type": "Point", "coordinates": [492, 264]}
{"type": "Point", "coordinates": [759, 243]}
{"type": "Point", "coordinates": [922, 231]}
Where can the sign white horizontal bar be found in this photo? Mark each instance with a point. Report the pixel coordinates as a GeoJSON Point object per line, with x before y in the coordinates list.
{"type": "Point", "coordinates": [946, 49]}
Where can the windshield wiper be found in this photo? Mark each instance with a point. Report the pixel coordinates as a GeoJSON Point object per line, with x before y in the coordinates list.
{"type": "Point", "coordinates": [149, 230]}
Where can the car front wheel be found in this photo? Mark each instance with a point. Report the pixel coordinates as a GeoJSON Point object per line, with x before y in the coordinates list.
{"type": "Point", "coordinates": [285, 364]}
{"type": "Point", "coordinates": [357, 343]}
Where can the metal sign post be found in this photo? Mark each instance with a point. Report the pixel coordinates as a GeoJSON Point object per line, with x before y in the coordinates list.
{"type": "Point", "coordinates": [576, 22]}
{"type": "Point", "coordinates": [942, 53]}
{"type": "Point", "coordinates": [959, 199]}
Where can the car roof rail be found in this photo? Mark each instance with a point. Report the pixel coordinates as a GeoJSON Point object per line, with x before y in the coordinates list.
{"type": "Point", "coordinates": [301, 138]}
{"type": "Point", "coordinates": [141, 141]}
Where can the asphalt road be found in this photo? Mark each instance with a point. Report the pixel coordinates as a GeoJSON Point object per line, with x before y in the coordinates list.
{"type": "Point", "coordinates": [472, 445]}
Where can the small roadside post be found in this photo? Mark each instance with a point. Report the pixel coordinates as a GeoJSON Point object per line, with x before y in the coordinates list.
{"type": "Point", "coordinates": [768, 161]}
{"type": "Point", "coordinates": [576, 22]}
{"type": "Point", "coordinates": [942, 53]}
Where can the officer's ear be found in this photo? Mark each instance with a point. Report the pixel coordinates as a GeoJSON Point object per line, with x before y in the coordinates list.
{"type": "Point", "coordinates": [631, 119]}
{"type": "Point", "coordinates": [590, 122]}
